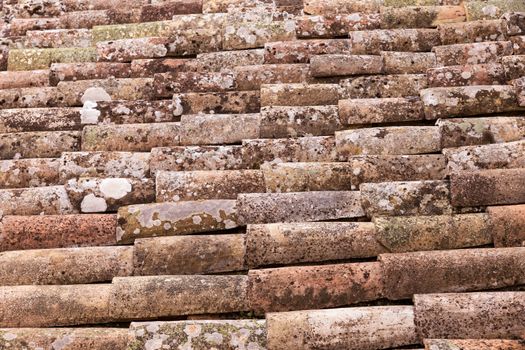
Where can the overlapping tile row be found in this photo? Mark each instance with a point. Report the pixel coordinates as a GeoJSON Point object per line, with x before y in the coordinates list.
{"type": "Point", "coordinates": [277, 174]}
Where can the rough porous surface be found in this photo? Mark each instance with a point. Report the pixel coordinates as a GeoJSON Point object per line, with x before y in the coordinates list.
{"type": "Point", "coordinates": [262, 174]}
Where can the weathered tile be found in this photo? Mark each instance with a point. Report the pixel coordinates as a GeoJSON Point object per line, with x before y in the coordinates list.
{"type": "Point", "coordinates": [311, 176]}
{"type": "Point", "coordinates": [97, 195]}
{"type": "Point", "coordinates": [470, 74]}
{"type": "Point", "coordinates": [22, 79]}
{"type": "Point", "coordinates": [340, 64]}
{"type": "Point", "coordinates": [252, 77]}
{"type": "Point", "coordinates": [178, 218]}
{"type": "Point", "coordinates": [399, 234]}
{"type": "Point", "coordinates": [482, 9]}
{"type": "Point", "coordinates": [404, 198]}
{"type": "Point", "coordinates": [126, 50]}
{"type": "Point", "coordinates": [515, 23]}
{"type": "Point", "coordinates": [20, 173]}
{"type": "Point", "coordinates": [211, 129]}
{"type": "Point", "coordinates": [282, 243]}
{"type": "Point", "coordinates": [300, 51]}
{"type": "Point", "coordinates": [474, 53]}
{"type": "Point", "coordinates": [186, 255]}
{"type": "Point", "coordinates": [436, 315]}
{"type": "Point", "coordinates": [395, 140]}
{"type": "Point", "coordinates": [19, 26]}
{"type": "Point", "coordinates": [508, 225]}
{"type": "Point", "coordinates": [84, 5]}
{"type": "Point", "coordinates": [343, 328]}
{"type": "Point", "coordinates": [402, 3]}
{"type": "Point", "coordinates": [420, 16]}
{"type": "Point", "coordinates": [48, 306]}
{"type": "Point", "coordinates": [223, 60]}
{"type": "Point", "coordinates": [30, 59]}
{"type": "Point", "coordinates": [92, 18]}
{"type": "Point", "coordinates": [165, 296]}
{"type": "Point", "coordinates": [380, 110]}
{"type": "Point", "coordinates": [87, 71]}
{"type": "Point", "coordinates": [166, 84]}
{"type": "Point", "coordinates": [406, 274]}
{"type": "Point", "coordinates": [329, 25]}
{"type": "Point", "coordinates": [224, 6]}
{"type": "Point", "coordinates": [472, 31]}
{"type": "Point", "coordinates": [216, 102]}
{"type": "Point", "coordinates": [148, 67]}
{"type": "Point", "coordinates": [407, 62]}
{"type": "Point", "coordinates": [413, 40]}
{"type": "Point", "coordinates": [457, 132]}
{"type": "Point", "coordinates": [65, 265]}
{"type": "Point", "coordinates": [191, 158]}
{"type": "Point", "coordinates": [384, 86]}
{"type": "Point", "coordinates": [188, 42]}
{"type": "Point", "coordinates": [487, 187]}
{"type": "Point", "coordinates": [44, 144]}
{"type": "Point", "coordinates": [472, 344]}
{"type": "Point", "coordinates": [519, 86]}
{"type": "Point", "coordinates": [106, 90]}
{"type": "Point", "coordinates": [129, 30]}
{"type": "Point", "coordinates": [135, 111]}
{"type": "Point", "coordinates": [57, 231]}
{"type": "Point", "coordinates": [57, 38]}
{"type": "Point", "coordinates": [514, 66]}
{"type": "Point", "coordinates": [380, 168]}
{"type": "Point", "coordinates": [493, 156]}
{"type": "Point", "coordinates": [255, 34]}
{"type": "Point", "coordinates": [446, 102]}
{"type": "Point", "coordinates": [166, 10]}
{"type": "Point", "coordinates": [130, 137]}
{"type": "Point", "coordinates": [39, 119]}
{"type": "Point", "coordinates": [35, 201]}
{"type": "Point", "coordinates": [299, 121]}
{"type": "Point", "coordinates": [309, 287]}
{"type": "Point", "coordinates": [206, 334]}
{"type": "Point", "coordinates": [104, 164]}
{"type": "Point", "coordinates": [322, 7]}
{"type": "Point", "coordinates": [28, 8]}
{"type": "Point", "coordinates": [300, 94]}
{"type": "Point", "coordinates": [76, 338]}
{"type": "Point", "coordinates": [518, 45]}
{"type": "Point", "coordinates": [198, 185]}
{"type": "Point", "coordinates": [259, 208]}
{"type": "Point", "coordinates": [302, 149]}
{"type": "Point", "coordinates": [34, 97]}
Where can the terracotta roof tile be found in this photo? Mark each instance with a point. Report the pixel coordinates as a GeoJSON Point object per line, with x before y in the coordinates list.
{"type": "Point", "coordinates": [289, 243]}
{"type": "Point", "coordinates": [55, 231]}
{"type": "Point", "coordinates": [435, 232]}
{"type": "Point", "coordinates": [342, 328]}
{"type": "Point", "coordinates": [299, 121]}
{"type": "Point", "coordinates": [74, 338]}
{"type": "Point", "coordinates": [459, 315]}
{"type": "Point", "coordinates": [175, 218]}
{"type": "Point", "coordinates": [180, 255]}
{"type": "Point", "coordinates": [173, 186]}
{"type": "Point", "coordinates": [487, 187]}
{"type": "Point", "coordinates": [261, 156]}
{"type": "Point", "coordinates": [258, 208]}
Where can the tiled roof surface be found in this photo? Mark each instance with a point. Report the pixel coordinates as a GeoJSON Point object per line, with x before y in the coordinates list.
{"type": "Point", "coordinates": [262, 174]}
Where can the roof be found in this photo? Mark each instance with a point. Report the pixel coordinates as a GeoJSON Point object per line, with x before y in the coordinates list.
{"type": "Point", "coordinates": [262, 174]}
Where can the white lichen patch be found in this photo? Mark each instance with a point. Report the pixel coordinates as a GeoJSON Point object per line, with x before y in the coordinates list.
{"type": "Point", "coordinates": [93, 204]}
{"type": "Point", "coordinates": [115, 188]}
{"type": "Point", "coordinates": [89, 114]}
{"type": "Point", "coordinates": [95, 94]}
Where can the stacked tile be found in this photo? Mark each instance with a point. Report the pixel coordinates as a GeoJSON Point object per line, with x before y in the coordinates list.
{"type": "Point", "coordinates": [253, 174]}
